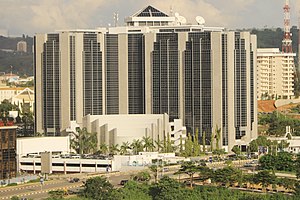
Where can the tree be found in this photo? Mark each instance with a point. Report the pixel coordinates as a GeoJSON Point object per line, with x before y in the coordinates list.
{"type": "Point", "coordinates": [297, 167]}
{"type": "Point", "coordinates": [143, 176]}
{"type": "Point", "coordinates": [180, 145]}
{"type": "Point", "coordinates": [133, 190]}
{"type": "Point", "coordinates": [196, 145]}
{"type": "Point", "coordinates": [137, 146]}
{"type": "Point", "coordinates": [227, 176]}
{"type": "Point", "coordinates": [285, 161]}
{"type": "Point", "coordinates": [188, 149]}
{"type": "Point", "coordinates": [124, 148]}
{"type": "Point", "coordinates": [212, 138]}
{"type": "Point", "coordinates": [204, 173]}
{"type": "Point", "coordinates": [155, 169]}
{"type": "Point", "coordinates": [190, 169]}
{"type": "Point", "coordinates": [158, 144]}
{"type": "Point", "coordinates": [287, 183]}
{"type": "Point", "coordinates": [264, 178]}
{"type": "Point", "coordinates": [204, 142]}
{"type": "Point", "coordinates": [283, 145]}
{"type": "Point", "coordinates": [260, 141]}
{"type": "Point", "coordinates": [84, 142]}
{"type": "Point", "coordinates": [5, 107]}
{"type": "Point", "coordinates": [218, 137]}
{"type": "Point", "coordinates": [57, 194]}
{"type": "Point", "coordinates": [103, 148]}
{"type": "Point", "coordinates": [236, 149]}
{"type": "Point", "coordinates": [148, 143]}
{"type": "Point", "coordinates": [98, 188]}
{"type": "Point", "coordinates": [267, 162]}
{"type": "Point", "coordinates": [114, 149]}
{"type": "Point", "coordinates": [167, 189]}
{"type": "Point", "coordinates": [27, 119]}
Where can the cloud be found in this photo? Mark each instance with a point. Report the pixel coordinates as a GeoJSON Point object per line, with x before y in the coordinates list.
{"type": "Point", "coordinates": [191, 8]}
{"type": "Point", "coordinates": [53, 15]}
{"type": "Point", "coordinates": [32, 16]}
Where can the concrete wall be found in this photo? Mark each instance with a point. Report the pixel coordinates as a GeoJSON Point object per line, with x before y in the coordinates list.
{"type": "Point", "coordinates": [42, 144]}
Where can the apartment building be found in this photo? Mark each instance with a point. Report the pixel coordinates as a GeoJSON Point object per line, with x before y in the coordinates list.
{"type": "Point", "coordinates": [156, 64]}
{"type": "Point", "coordinates": [275, 74]}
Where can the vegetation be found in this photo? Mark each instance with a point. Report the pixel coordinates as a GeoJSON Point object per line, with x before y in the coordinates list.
{"type": "Point", "coordinates": [21, 62]}
{"type": "Point", "coordinates": [84, 142]}
{"type": "Point", "coordinates": [283, 161]}
{"type": "Point", "coordinates": [170, 189]}
{"type": "Point", "coordinates": [277, 122]}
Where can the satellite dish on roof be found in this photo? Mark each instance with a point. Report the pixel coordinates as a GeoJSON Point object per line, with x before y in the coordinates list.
{"type": "Point", "coordinates": [181, 20]}
{"type": "Point", "coordinates": [200, 20]}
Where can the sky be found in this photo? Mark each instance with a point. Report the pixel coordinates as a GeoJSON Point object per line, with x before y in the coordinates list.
{"type": "Point", "coordinates": [42, 16]}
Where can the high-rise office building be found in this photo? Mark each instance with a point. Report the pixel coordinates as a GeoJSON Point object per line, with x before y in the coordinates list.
{"type": "Point", "coordinates": [275, 74]}
{"type": "Point", "coordinates": [155, 64]}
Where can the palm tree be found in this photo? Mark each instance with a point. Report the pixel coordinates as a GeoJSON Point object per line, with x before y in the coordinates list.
{"type": "Point", "coordinates": [124, 147]}
{"type": "Point", "coordinates": [148, 143]}
{"type": "Point", "coordinates": [103, 148]}
{"type": "Point", "coordinates": [218, 137]}
{"type": "Point", "coordinates": [137, 146]}
{"type": "Point", "coordinates": [113, 149]}
{"type": "Point", "coordinates": [159, 145]}
{"type": "Point", "coordinates": [155, 169]}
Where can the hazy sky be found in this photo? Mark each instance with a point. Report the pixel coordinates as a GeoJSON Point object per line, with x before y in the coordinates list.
{"type": "Point", "coordinates": [39, 16]}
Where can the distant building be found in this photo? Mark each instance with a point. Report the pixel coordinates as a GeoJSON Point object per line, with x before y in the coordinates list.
{"type": "Point", "coordinates": [293, 141]}
{"type": "Point", "coordinates": [156, 64]}
{"type": "Point", "coordinates": [22, 46]}
{"type": "Point", "coordinates": [25, 99]}
{"type": "Point", "coordinates": [18, 96]}
{"type": "Point", "coordinates": [275, 74]}
{"type": "Point", "coordinates": [9, 77]}
{"type": "Point", "coordinates": [8, 162]}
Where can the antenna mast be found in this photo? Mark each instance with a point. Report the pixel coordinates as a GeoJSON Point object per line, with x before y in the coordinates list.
{"type": "Point", "coordinates": [287, 41]}
{"type": "Point", "coordinates": [299, 40]}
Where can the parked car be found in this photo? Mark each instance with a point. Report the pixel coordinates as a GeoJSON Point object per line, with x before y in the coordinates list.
{"type": "Point", "coordinates": [74, 180]}
{"type": "Point", "coordinates": [123, 182]}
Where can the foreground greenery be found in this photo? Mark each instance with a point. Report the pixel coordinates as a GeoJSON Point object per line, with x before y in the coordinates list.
{"type": "Point", "coordinates": [99, 188]}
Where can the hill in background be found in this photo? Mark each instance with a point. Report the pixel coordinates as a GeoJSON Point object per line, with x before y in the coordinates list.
{"type": "Point", "coordinates": [22, 63]}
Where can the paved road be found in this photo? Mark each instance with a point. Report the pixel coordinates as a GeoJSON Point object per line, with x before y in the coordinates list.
{"type": "Point", "coordinates": [36, 191]}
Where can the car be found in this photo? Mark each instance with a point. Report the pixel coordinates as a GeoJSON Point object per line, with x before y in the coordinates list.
{"type": "Point", "coordinates": [123, 182]}
{"type": "Point", "coordinates": [74, 180]}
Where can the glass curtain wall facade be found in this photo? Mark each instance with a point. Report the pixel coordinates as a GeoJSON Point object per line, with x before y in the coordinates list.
{"type": "Point", "coordinates": [51, 85]}
{"type": "Point", "coordinates": [198, 84]}
{"type": "Point", "coordinates": [112, 73]}
{"type": "Point", "coordinates": [165, 75]}
{"type": "Point", "coordinates": [240, 86]}
{"type": "Point", "coordinates": [92, 74]}
{"type": "Point", "coordinates": [136, 74]}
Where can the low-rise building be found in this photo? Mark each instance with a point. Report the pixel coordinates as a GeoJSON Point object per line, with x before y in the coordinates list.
{"type": "Point", "coordinates": [116, 129]}
{"type": "Point", "coordinates": [8, 162]}
{"type": "Point", "coordinates": [293, 141]}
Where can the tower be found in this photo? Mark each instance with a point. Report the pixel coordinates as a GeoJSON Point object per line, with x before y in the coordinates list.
{"type": "Point", "coordinates": [287, 41]}
{"type": "Point", "coordinates": [299, 40]}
